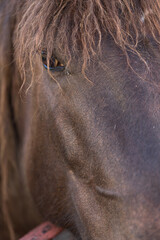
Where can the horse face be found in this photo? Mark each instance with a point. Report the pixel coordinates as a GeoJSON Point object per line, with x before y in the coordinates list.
{"type": "Point", "coordinates": [94, 150]}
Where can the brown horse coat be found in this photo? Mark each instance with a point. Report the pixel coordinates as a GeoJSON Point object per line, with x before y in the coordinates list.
{"type": "Point", "coordinates": [80, 147]}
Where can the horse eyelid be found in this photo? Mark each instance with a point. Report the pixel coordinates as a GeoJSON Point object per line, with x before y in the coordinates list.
{"type": "Point", "coordinates": [58, 66]}
{"type": "Point", "coordinates": [54, 69]}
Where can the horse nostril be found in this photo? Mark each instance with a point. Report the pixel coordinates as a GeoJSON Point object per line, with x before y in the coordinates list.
{"type": "Point", "coordinates": [107, 193]}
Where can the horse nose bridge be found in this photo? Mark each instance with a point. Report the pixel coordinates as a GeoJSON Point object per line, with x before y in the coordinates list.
{"type": "Point", "coordinates": [141, 204]}
{"type": "Point", "coordinates": [143, 219]}
{"type": "Point", "coordinates": [96, 209]}
{"type": "Point", "coordinates": [143, 184]}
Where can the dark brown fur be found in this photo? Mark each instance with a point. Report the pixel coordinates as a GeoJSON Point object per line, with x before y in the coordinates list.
{"type": "Point", "coordinates": [82, 23]}
{"type": "Point", "coordinates": [74, 27]}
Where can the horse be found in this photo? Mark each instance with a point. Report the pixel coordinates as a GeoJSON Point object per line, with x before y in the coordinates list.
{"type": "Point", "coordinates": [80, 117]}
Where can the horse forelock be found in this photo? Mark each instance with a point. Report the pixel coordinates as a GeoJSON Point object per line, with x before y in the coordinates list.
{"type": "Point", "coordinates": [78, 25]}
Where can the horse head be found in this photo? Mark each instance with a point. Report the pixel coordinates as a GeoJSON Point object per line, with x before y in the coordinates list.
{"type": "Point", "coordinates": [82, 107]}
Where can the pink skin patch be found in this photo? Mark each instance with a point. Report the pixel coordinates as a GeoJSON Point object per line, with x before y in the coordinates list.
{"type": "Point", "coordinates": [45, 231]}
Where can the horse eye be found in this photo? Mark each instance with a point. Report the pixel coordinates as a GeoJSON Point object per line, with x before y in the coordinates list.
{"type": "Point", "coordinates": [54, 64]}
